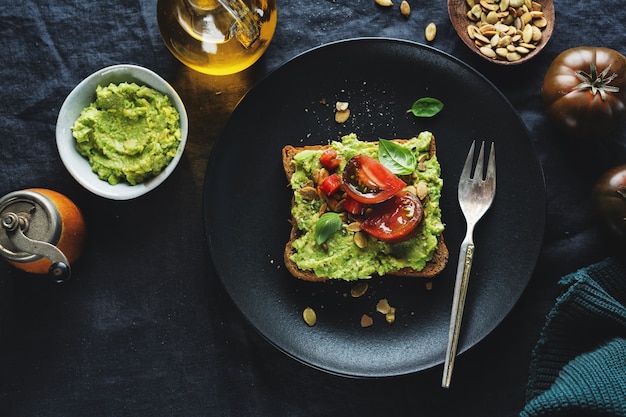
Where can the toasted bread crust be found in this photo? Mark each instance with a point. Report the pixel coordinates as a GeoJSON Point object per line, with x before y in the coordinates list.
{"type": "Point", "coordinates": [432, 268]}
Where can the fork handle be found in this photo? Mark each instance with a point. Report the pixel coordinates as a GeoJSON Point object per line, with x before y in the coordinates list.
{"type": "Point", "coordinates": [458, 304]}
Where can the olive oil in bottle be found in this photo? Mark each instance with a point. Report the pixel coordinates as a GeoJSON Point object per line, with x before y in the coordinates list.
{"type": "Point", "coordinates": [217, 37]}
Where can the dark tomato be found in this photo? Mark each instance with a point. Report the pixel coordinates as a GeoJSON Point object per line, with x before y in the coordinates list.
{"type": "Point", "coordinates": [584, 90]}
{"type": "Point", "coordinates": [331, 184]}
{"type": "Point", "coordinates": [396, 219]}
{"type": "Point", "coordinates": [609, 201]}
{"type": "Point", "coordinates": [369, 182]}
{"type": "Point", "coordinates": [329, 159]}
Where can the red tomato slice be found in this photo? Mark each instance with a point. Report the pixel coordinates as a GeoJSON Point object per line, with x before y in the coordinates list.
{"type": "Point", "coordinates": [331, 184]}
{"type": "Point", "coordinates": [369, 182]}
{"type": "Point", "coordinates": [396, 219]}
{"type": "Point", "coordinates": [352, 206]}
{"type": "Point", "coordinates": [329, 159]}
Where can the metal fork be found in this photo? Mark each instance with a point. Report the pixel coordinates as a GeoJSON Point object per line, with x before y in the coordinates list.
{"type": "Point", "coordinates": [475, 197]}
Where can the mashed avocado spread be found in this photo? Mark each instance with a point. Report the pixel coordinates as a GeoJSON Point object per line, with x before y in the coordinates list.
{"type": "Point", "coordinates": [130, 133]}
{"type": "Point", "coordinates": [339, 257]}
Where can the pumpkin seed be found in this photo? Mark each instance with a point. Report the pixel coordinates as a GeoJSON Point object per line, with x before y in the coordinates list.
{"type": "Point", "coordinates": [487, 29]}
{"type": "Point", "coordinates": [430, 32]}
{"type": "Point", "coordinates": [527, 45]}
{"type": "Point", "coordinates": [489, 5]}
{"type": "Point", "coordinates": [476, 11]}
{"type": "Point", "coordinates": [360, 240]}
{"type": "Point", "coordinates": [481, 38]}
{"type": "Point", "coordinates": [541, 22]}
{"type": "Point", "coordinates": [513, 56]}
{"type": "Point", "coordinates": [504, 41]}
{"type": "Point", "coordinates": [495, 40]}
{"type": "Point", "coordinates": [422, 190]}
{"type": "Point", "coordinates": [527, 34]}
{"type": "Point", "coordinates": [309, 193]}
{"type": "Point", "coordinates": [342, 116]}
{"type": "Point", "coordinates": [354, 227]}
{"type": "Point", "coordinates": [359, 289]}
{"type": "Point", "coordinates": [383, 306]}
{"type": "Point", "coordinates": [488, 52]}
{"type": "Point", "coordinates": [390, 317]}
{"type": "Point", "coordinates": [341, 105]}
{"type": "Point", "coordinates": [501, 52]}
{"type": "Point", "coordinates": [411, 189]}
{"type": "Point", "coordinates": [405, 8]}
{"type": "Point", "coordinates": [492, 17]}
{"type": "Point", "coordinates": [537, 34]}
{"type": "Point", "coordinates": [309, 316]}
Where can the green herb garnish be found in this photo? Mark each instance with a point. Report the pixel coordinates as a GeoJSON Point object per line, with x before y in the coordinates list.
{"type": "Point", "coordinates": [327, 224]}
{"type": "Point", "coordinates": [426, 107]}
{"type": "Point", "coordinates": [397, 158]}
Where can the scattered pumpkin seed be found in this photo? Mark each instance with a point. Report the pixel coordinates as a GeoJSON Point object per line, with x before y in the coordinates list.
{"type": "Point", "coordinates": [430, 32]}
{"type": "Point", "coordinates": [309, 316]}
{"type": "Point", "coordinates": [405, 8]}
{"type": "Point", "coordinates": [341, 105]}
{"type": "Point", "coordinates": [390, 317]}
{"type": "Point", "coordinates": [342, 116]}
{"type": "Point", "coordinates": [384, 3]}
{"type": "Point", "coordinates": [359, 289]}
{"type": "Point", "coordinates": [383, 306]}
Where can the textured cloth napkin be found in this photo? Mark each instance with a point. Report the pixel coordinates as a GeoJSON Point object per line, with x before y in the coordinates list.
{"type": "Point", "coordinates": [578, 366]}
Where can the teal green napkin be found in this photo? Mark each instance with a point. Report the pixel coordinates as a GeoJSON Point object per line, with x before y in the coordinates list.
{"type": "Point", "coordinates": [578, 366]}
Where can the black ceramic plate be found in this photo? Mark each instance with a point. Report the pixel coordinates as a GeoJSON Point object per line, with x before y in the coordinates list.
{"type": "Point", "coordinates": [247, 205]}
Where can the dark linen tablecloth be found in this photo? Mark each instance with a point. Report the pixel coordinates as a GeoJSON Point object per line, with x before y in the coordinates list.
{"type": "Point", "coordinates": [147, 329]}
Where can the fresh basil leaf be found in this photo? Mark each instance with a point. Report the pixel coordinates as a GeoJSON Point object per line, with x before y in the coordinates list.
{"type": "Point", "coordinates": [327, 224]}
{"type": "Point", "coordinates": [396, 158]}
{"type": "Point", "coordinates": [426, 107]}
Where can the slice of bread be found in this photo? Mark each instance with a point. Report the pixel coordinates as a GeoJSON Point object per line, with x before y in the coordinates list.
{"type": "Point", "coordinates": [432, 268]}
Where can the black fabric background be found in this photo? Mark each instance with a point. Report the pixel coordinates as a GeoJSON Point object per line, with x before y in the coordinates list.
{"type": "Point", "coordinates": [147, 330]}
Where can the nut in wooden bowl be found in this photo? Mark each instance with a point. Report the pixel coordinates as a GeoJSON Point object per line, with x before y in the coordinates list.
{"type": "Point", "coordinates": [505, 32]}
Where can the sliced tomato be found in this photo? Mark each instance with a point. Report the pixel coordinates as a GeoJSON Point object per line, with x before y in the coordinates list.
{"type": "Point", "coordinates": [396, 219]}
{"type": "Point", "coordinates": [352, 206]}
{"type": "Point", "coordinates": [331, 184]}
{"type": "Point", "coordinates": [368, 181]}
{"type": "Point", "coordinates": [330, 160]}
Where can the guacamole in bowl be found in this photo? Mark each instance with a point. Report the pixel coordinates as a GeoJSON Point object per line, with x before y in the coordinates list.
{"type": "Point", "coordinates": [122, 131]}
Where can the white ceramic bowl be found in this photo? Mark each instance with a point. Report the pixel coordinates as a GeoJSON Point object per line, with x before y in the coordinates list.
{"type": "Point", "coordinates": [82, 96]}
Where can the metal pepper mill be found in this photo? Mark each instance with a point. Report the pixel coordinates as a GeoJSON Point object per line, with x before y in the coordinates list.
{"type": "Point", "coordinates": [41, 232]}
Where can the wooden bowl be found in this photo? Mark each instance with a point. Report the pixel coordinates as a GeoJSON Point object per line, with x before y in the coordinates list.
{"type": "Point", "coordinates": [459, 9]}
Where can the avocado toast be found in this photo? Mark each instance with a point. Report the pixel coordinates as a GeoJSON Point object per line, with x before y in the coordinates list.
{"type": "Point", "coordinates": [347, 247]}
